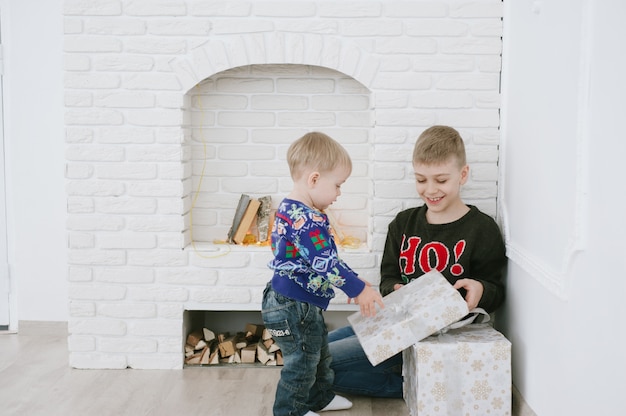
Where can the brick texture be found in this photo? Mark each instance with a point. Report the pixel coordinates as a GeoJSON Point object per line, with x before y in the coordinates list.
{"type": "Point", "coordinates": [178, 104]}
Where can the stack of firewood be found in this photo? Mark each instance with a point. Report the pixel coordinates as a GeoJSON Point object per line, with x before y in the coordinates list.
{"type": "Point", "coordinates": [253, 345]}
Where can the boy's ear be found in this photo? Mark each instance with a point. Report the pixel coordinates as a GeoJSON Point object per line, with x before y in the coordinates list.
{"type": "Point", "coordinates": [464, 174]}
{"type": "Point", "coordinates": [313, 178]}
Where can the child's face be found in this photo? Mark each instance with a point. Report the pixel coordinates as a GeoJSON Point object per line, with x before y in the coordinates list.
{"type": "Point", "coordinates": [326, 187]}
{"type": "Point", "coordinates": [439, 185]}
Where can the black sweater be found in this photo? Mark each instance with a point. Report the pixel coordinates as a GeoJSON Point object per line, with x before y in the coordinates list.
{"type": "Point", "coordinates": [470, 247]}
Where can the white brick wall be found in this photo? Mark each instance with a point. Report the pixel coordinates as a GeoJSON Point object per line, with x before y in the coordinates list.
{"type": "Point", "coordinates": [151, 85]}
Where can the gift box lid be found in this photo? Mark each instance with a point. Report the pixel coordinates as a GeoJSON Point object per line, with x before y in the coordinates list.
{"type": "Point", "coordinates": [411, 313]}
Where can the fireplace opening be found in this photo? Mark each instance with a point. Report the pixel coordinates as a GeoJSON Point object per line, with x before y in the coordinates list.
{"type": "Point", "coordinates": [235, 327]}
{"type": "Point", "coordinates": [238, 126]}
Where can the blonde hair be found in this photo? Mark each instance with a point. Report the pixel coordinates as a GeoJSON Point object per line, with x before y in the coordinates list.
{"type": "Point", "coordinates": [316, 151]}
{"type": "Point", "coordinates": [437, 144]}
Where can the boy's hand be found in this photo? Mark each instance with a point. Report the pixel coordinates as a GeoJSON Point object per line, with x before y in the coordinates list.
{"type": "Point", "coordinates": [474, 291]}
{"type": "Point", "coordinates": [367, 300]}
{"type": "Point", "coordinates": [354, 299]}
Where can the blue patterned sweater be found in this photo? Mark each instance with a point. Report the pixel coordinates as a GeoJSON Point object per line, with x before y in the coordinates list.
{"type": "Point", "coordinates": [306, 265]}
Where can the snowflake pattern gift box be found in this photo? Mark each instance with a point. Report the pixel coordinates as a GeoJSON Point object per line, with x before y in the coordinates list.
{"type": "Point", "coordinates": [412, 313]}
{"type": "Point", "coordinates": [465, 371]}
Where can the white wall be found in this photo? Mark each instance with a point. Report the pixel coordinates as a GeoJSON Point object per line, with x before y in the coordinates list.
{"type": "Point", "coordinates": [563, 194]}
{"type": "Point", "coordinates": [34, 149]}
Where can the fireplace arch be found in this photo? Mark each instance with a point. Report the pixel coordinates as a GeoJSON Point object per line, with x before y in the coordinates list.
{"type": "Point", "coordinates": [247, 98]}
{"type": "Point", "coordinates": [275, 48]}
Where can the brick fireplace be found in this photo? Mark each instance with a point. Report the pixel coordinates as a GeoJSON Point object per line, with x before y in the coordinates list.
{"type": "Point", "coordinates": [175, 108]}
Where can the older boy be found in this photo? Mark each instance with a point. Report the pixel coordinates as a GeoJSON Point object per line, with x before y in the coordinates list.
{"type": "Point", "coordinates": [306, 267]}
{"type": "Point", "coordinates": [445, 234]}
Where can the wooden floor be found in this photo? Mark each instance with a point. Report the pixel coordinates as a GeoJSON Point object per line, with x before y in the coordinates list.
{"type": "Point", "coordinates": [35, 379]}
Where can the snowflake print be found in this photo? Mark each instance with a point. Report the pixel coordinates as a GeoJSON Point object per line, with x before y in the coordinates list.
{"type": "Point", "coordinates": [481, 390]}
{"type": "Point", "coordinates": [463, 352]}
{"type": "Point", "coordinates": [439, 391]}
{"type": "Point", "coordinates": [500, 351]}
{"type": "Point", "coordinates": [438, 293]}
{"type": "Point", "coordinates": [374, 329]}
{"type": "Point", "coordinates": [451, 314]}
{"type": "Point", "coordinates": [382, 352]}
{"type": "Point", "coordinates": [497, 403]}
{"type": "Point", "coordinates": [424, 354]}
{"type": "Point", "coordinates": [388, 334]}
{"type": "Point", "coordinates": [295, 211]}
{"type": "Point", "coordinates": [477, 365]}
{"type": "Point", "coordinates": [432, 329]}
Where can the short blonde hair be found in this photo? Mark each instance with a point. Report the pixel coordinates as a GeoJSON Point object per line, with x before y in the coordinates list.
{"type": "Point", "coordinates": [437, 144]}
{"type": "Point", "coordinates": [316, 151]}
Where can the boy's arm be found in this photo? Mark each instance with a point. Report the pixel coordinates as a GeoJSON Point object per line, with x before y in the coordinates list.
{"type": "Point", "coordinates": [488, 269]}
{"type": "Point", "coordinates": [493, 295]}
{"type": "Point", "coordinates": [390, 274]}
{"type": "Point", "coordinates": [318, 247]}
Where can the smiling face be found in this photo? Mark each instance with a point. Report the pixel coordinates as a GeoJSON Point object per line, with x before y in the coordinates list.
{"type": "Point", "coordinates": [439, 186]}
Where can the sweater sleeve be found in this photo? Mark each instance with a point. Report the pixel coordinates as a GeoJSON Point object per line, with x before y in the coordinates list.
{"type": "Point", "coordinates": [488, 268]}
{"type": "Point", "coordinates": [390, 273]}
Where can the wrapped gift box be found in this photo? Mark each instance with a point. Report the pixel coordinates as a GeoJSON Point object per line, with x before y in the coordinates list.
{"type": "Point", "coordinates": [465, 371]}
{"type": "Point", "coordinates": [411, 313]}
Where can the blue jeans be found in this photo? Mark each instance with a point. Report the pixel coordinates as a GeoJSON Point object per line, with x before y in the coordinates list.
{"type": "Point", "coordinates": [354, 374]}
{"type": "Point", "coordinates": [298, 328]}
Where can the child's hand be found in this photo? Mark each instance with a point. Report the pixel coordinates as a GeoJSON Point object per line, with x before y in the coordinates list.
{"type": "Point", "coordinates": [354, 299]}
{"type": "Point", "coordinates": [474, 291]}
{"type": "Point", "coordinates": [397, 286]}
{"type": "Point", "coordinates": [367, 300]}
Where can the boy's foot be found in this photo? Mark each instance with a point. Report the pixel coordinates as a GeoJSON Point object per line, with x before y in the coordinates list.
{"type": "Point", "coordinates": [310, 413]}
{"type": "Point", "coordinates": [338, 403]}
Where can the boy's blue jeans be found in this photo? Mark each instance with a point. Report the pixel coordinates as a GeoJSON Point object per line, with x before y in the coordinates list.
{"type": "Point", "coordinates": [298, 328]}
{"type": "Point", "coordinates": [354, 374]}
